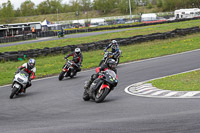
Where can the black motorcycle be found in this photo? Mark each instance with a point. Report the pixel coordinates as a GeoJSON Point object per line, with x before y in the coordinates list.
{"type": "Point", "coordinates": [68, 70]}
{"type": "Point", "coordinates": [101, 86]}
{"type": "Point", "coordinates": [109, 55]}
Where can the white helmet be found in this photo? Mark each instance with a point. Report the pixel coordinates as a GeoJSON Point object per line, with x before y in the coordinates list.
{"type": "Point", "coordinates": [77, 51]}
{"type": "Point", "coordinates": [31, 63]}
{"type": "Point", "coordinates": [114, 42]}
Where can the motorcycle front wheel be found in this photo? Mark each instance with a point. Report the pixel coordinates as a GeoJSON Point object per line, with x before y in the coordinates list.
{"type": "Point", "coordinates": [117, 61]}
{"type": "Point", "coordinates": [101, 95]}
{"type": "Point", "coordinates": [61, 76]}
{"type": "Point", "coordinates": [14, 91]}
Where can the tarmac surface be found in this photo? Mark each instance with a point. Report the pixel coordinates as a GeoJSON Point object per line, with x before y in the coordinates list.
{"type": "Point", "coordinates": [52, 106]}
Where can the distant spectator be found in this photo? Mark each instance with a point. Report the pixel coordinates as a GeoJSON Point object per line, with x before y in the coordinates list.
{"type": "Point", "coordinates": [33, 30]}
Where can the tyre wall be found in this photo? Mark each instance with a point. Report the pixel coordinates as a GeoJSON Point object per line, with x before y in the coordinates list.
{"type": "Point", "coordinates": [17, 55]}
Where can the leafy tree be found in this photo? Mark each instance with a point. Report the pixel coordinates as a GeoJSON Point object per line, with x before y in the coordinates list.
{"type": "Point", "coordinates": [75, 5]}
{"type": "Point", "coordinates": [43, 7]}
{"type": "Point", "coordinates": [27, 8]}
{"type": "Point", "coordinates": [50, 6]}
{"type": "Point", "coordinates": [18, 12]}
{"type": "Point", "coordinates": [7, 10]}
{"type": "Point", "coordinates": [159, 3]}
{"type": "Point", "coordinates": [55, 5]}
{"type": "Point", "coordinates": [124, 6]}
{"type": "Point", "coordinates": [86, 5]}
{"type": "Point", "coordinates": [66, 8]}
{"type": "Point", "coordinates": [149, 6]}
{"type": "Point", "coordinates": [169, 5]}
{"type": "Point", "coordinates": [104, 6]}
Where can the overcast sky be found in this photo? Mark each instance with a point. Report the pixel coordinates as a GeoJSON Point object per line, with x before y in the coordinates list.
{"type": "Point", "coordinates": [17, 3]}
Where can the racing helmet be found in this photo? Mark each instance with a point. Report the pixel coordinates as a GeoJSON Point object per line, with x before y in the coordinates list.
{"type": "Point", "coordinates": [31, 63]}
{"type": "Point", "coordinates": [111, 64]}
{"type": "Point", "coordinates": [77, 51]}
{"type": "Point", "coordinates": [114, 44]}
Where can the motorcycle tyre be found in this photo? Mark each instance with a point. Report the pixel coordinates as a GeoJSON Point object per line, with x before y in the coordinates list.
{"type": "Point", "coordinates": [72, 73]}
{"type": "Point", "coordinates": [61, 76]}
{"type": "Point", "coordinates": [14, 91]}
{"type": "Point", "coordinates": [103, 95]}
{"type": "Point", "coordinates": [117, 61]}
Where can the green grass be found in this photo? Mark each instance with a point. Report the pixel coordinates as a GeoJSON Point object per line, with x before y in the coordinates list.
{"type": "Point", "coordinates": [182, 82]}
{"type": "Point", "coordinates": [51, 65]}
{"type": "Point", "coordinates": [73, 41]}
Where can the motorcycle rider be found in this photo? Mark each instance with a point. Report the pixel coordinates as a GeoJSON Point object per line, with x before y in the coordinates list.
{"type": "Point", "coordinates": [111, 64]}
{"type": "Point", "coordinates": [115, 47]}
{"type": "Point", "coordinates": [30, 69]}
{"type": "Point", "coordinates": [77, 58]}
{"type": "Point", "coordinates": [61, 32]}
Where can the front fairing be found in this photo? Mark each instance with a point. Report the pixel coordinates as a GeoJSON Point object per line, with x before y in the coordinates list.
{"type": "Point", "coordinates": [21, 78]}
{"type": "Point", "coordinates": [67, 65]}
{"type": "Point", "coordinates": [110, 77]}
{"type": "Point", "coordinates": [107, 54]}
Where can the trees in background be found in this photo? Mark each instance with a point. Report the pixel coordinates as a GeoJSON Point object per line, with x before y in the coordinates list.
{"type": "Point", "coordinates": [28, 8]}
{"type": "Point", "coordinates": [123, 5]}
{"type": "Point", "coordinates": [7, 10]}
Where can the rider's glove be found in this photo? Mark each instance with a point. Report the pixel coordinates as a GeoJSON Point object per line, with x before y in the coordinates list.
{"type": "Point", "coordinates": [104, 50]}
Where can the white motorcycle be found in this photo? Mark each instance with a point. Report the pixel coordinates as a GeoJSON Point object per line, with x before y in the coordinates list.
{"type": "Point", "coordinates": [19, 82]}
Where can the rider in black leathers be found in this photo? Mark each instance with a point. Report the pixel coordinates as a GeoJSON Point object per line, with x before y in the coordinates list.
{"type": "Point", "coordinates": [115, 48]}
{"type": "Point", "coordinates": [109, 65]}
{"type": "Point", "coordinates": [77, 58]}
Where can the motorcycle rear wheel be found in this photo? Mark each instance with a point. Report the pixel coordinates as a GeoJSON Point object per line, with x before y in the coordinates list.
{"type": "Point", "coordinates": [101, 95]}
{"type": "Point", "coordinates": [72, 73]}
{"type": "Point", "coordinates": [61, 76]}
{"type": "Point", "coordinates": [14, 91]}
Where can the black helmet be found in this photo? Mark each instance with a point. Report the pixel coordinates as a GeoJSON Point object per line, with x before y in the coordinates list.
{"type": "Point", "coordinates": [77, 51]}
{"type": "Point", "coordinates": [111, 64]}
{"type": "Point", "coordinates": [31, 63]}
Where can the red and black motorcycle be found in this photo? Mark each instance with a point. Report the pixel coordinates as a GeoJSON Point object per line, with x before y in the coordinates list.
{"type": "Point", "coordinates": [101, 86]}
{"type": "Point", "coordinates": [68, 70]}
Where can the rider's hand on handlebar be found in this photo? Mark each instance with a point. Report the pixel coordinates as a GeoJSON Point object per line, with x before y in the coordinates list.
{"type": "Point", "coordinates": [111, 56]}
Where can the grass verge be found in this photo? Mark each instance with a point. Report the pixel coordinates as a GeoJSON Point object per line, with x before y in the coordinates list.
{"type": "Point", "coordinates": [73, 41]}
{"type": "Point", "coordinates": [51, 65]}
{"type": "Point", "coordinates": [181, 82]}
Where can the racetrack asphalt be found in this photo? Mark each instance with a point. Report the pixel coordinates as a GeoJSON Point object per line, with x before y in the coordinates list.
{"type": "Point", "coordinates": [52, 106]}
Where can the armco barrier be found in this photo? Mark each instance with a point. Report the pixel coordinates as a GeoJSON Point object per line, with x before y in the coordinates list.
{"type": "Point", "coordinates": [16, 55]}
